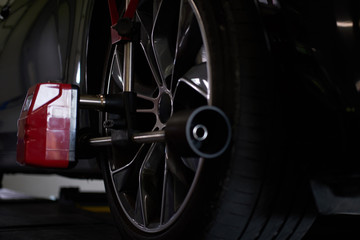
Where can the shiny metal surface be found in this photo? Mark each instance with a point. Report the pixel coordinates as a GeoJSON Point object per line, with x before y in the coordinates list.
{"type": "Point", "coordinates": [149, 137]}
{"type": "Point", "coordinates": [128, 61]}
{"type": "Point", "coordinates": [92, 101]}
{"type": "Point", "coordinates": [100, 141]}
{"type": "Point", "coordinates": [128, 68]}
{"type": "Point", "coordinates": [145, 137]}
{"type": "Point", "coordinates": [200, 132]}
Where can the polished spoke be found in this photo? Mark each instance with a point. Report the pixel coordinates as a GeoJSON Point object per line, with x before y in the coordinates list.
{"type": "Point", "coordinates": [151, 183]}
{"type": "Point", "coordinates": [140, 211]}
{"type": "Point", "coordinates": [195, 78]}
{"type": "Point", "coordinates": [167, 201]}
{"type": "Point", "coordinates": [142, 198]}
{"type": "Point", "coordinates": [125, 177]}
{"type": "Point", "coordinates": [188, 43]}
{"type": "Point", "coordinates": [116, 69]}
{"type": "Point", "coordinates": [176, 184]}
{"type": "Point", "coordinates": [151, 108]}
{"type": "Point", "coordinates": [150, 57]}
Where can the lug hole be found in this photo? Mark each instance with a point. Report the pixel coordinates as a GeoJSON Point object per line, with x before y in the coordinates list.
{"type": "Point", "coordinates": [165, 107]}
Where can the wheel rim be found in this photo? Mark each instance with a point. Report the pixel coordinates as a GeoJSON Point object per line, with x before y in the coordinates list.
{"type": "Point", "coordinates": [152, 184]}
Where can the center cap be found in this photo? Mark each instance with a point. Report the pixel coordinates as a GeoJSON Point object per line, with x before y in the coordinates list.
{"type": "Point", "coordinates": [165, 107]}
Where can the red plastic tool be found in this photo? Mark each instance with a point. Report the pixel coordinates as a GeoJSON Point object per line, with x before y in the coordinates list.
{"type": "Point", "coordinates": [47, 126]}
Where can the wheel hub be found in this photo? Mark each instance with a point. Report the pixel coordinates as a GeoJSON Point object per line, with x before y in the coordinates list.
{"type": "Point", "coordinates": [165, 108]}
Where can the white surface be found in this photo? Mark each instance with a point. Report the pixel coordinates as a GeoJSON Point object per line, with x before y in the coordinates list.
{"type": "Point", "coordinates": [48, 186]}
{"type": "Point", "coordinates": [7, 194]}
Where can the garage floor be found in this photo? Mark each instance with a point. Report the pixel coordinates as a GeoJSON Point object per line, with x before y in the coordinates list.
{"type": "Point", "coordinates": [86, 216]}
{"type": "Point", "coordinates": [72, 217]}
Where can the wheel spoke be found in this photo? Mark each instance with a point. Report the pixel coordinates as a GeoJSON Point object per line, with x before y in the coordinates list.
{"type": "Point", "coordinates": [116, 69]}
{"type": "Point", "coordinates": [151, 183]}
{"type": "Point", "coordinates": [125, 177]}
{"type": "Point", "coordinates": [177, 182]}
{"type": "Point", "coordinates": [164, 36]}
{"type": "Point", "coordinates": [140, 211]}
{"type": "Point", "coordinates": [120, 177]}
{"type": "Point", "coordinates": [149, 54]}
{"type": "Point", "coordinates": [180, 192]}
{"type": "Point", "coordinates": [128, 186]}
{"type": "Point", "coordinates": [189, 43]}
{"type": "Point", "coordinates": [167, 202]}
{"type": "Point", "coordinates": [178, 169]}
{"type": "Point", "coordinates": [150, 108]}
{"type": "Point", "coordinates": [196, 79]}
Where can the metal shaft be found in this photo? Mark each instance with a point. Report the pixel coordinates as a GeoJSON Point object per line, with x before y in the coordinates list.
{"type": "Point", "coordinates": [149, 137]}
{"type": "Point", "coordinates": [92, 101]}
{"type": "Point", "coordinates": [127, 65]}
{"type": "Point", "coordinates": [100, 141]}
{"type": "Point", "coordinates": [127, 74]}
{"type": "Point", "coordinates": [204, 132]}
{"type": "Point", "coordinates": [146, 137]}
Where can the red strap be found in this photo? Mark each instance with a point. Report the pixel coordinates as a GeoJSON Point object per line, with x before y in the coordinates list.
{"type": "Point", "coordinates": [131, 9]}
{"type": "Point", "coordinates": [114, 14]}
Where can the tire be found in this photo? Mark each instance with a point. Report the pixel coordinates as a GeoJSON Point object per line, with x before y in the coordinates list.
{"type": "Point", "coordinates": [256, 190]}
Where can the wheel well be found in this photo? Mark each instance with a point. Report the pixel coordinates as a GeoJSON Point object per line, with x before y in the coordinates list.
{"type": "Point", "coordinates": [98, 45]}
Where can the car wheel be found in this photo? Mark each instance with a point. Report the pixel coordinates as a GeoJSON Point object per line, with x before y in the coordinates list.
{"type": "Point", "coordinates": [191, 53]}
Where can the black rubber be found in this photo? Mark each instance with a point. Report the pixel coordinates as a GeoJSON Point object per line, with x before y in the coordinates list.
{"type": "Point", "coordinates": [265, 195]}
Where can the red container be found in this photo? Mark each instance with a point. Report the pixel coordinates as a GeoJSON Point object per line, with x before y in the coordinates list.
{"type": "Point", "coordinates": [47, 126]}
